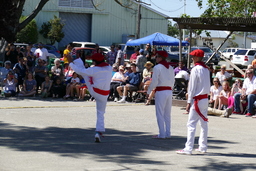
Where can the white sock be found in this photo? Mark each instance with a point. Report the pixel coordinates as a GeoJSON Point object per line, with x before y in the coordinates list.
{"type": "Point", "coordinates": [124, 97]}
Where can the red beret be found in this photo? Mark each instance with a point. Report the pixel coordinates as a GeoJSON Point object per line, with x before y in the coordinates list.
{"type": "Point", "coordinates": [162, 53]}
{"type": "Point", "coordinates": [197, 52]}
{"type": "Point", "coordinates": [97, 57]}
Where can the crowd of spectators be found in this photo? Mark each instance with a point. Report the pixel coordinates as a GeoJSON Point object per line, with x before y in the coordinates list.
{"type": "Point", "coordinates": [26, 72]}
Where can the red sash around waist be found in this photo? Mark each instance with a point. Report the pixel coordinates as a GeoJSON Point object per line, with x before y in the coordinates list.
{"type": "Point", "coordinates": [197, 98]}
{"type": "Point", "coordinates": [101, 92]}
{"type": "Point", "coordinates": [161, 88]}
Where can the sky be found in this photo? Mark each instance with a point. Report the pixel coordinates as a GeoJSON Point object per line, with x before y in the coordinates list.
{"type": "Point", "coordinates": [175, 8]}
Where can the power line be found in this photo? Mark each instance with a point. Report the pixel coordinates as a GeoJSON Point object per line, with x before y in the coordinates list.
{"type": "Point", "coordinates": [165, 9]}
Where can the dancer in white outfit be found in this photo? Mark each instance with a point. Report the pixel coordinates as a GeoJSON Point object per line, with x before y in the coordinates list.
{"type": "Point", "coordinates": [162, 82]}
{"type": "Point", "coordinates": [97, 80]}
{"type": "Point", "coordinates": [198, 90]}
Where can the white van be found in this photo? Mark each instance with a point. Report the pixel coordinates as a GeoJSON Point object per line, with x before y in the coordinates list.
{"type": "Point", "coordinates": [228, 52]}
{"type": "Point", "coordinates": [84, 44]}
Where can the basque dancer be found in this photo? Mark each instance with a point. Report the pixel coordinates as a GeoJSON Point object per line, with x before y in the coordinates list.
{"type": "Point", "coordinates": [162, 82]}
{"type": "Point", "coordinates": [197, 103]}
{"type": "Point", "coordinates": [97, 80]}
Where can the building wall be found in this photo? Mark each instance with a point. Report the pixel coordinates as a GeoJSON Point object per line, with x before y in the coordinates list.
{"type": "Point", "coordinates": [108, 25]}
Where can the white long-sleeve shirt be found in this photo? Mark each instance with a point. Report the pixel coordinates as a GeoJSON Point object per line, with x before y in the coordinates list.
{"type": "Point", "coordinates": [161, 77]}
{"type": "Point", "coordinates": [101, 76]}
{"type": "Point", "coordinates": [199, 82]}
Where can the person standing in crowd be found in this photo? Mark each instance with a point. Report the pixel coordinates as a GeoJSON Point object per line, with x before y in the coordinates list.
{"type": "Point", "coordinates": [67, 52]}
{"type": "Point", "coordinates": [140, 61]}
{"type": "Point", "coordinates": [5, 70]}
{"type": "Point", "coordinates": [11, 55]}
{"type": "Point", "coordinates": [147, 52]}
{"type": "Point", "coordinates": [135, 55]}
{"type": "Point", "coordinates": [30, 58]}
{"type": "Point", "coordinates": [119, 55]}
{"type": "Point", "coordinates": [42, 53]}
{"type": "Point", "coordinates": [111, 56]}
{"type": "Point", "coordinates": [20, 69]}
{"type": "Point", "coordinates": [98, 80]}
{"type": "Point", "coordinates": [162, 81]}
{"type": "Point", "coordinates": [197, 103]}
{"type": "Point", "coordinates": [180, 67]}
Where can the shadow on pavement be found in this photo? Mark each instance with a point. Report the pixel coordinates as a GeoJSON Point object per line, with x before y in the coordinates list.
{"type": "Point", "coordinates": [211, 164]}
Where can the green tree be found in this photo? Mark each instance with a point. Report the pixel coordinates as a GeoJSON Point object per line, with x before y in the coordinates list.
{"type": "Point", "coordinates": [172, 29]}
{"type": "Point", "coordinates": [29, 33]}
{"type": "Point", "coordinates": [228, 8]}
{"type": "Point", "coordinates": [52, 30]}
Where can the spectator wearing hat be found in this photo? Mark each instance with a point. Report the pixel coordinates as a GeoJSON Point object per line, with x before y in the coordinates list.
{"type": "Point", "coordinates": [162, 81]}
{"type": "Point", "coordinates": [135, 55]}
{"type": "Point", "coordinates": [12, 55]}
{"type": "Point", "coordinates": [5, 70]}
{"type": "Point", "coordinates": [132, 84]}
{"type": "Point", "coordinates": [42, 53]}
{"type": "Point", "coordinates": [140, 61]}
{"type": "Point", "coordinates": [147, 72]}
{"type": "Point", "coordinates": [117, 80]}
{"type": "Point", "coordinates": [197, 103]}
{"type": "Point", "coordinates": [97, 79]}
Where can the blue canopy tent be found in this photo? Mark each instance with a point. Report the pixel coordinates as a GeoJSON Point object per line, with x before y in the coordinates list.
{"type": "Point", "coordinates": [157, 39]}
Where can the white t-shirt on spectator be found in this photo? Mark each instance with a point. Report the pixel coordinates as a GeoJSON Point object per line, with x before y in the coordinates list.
{"type": "Point", "coordinates": [215, 92]}
{"type": "Point", "coordinates": [221, 77]}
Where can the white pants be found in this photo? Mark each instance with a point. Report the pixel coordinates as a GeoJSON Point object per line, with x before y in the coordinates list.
{"type": "Point", "coordinates": [192, 121]}
{"type": "Point", "coordinates": [163, 105]}
{"type": "Point", "coordinates": [101, 102]}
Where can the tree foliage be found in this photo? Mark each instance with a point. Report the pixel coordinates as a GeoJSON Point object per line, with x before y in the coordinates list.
{"type": "Point", "coordinates": [172, 29]}
{"type": "Point", "coordinates": [52, 30]}
{"type": "Point", "coordinates": [29, 33]}
{"type": "Point", "coordinates": [228, 8]}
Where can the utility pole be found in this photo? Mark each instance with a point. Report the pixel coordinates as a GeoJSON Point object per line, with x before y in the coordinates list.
{"type": "Point", "coordinates": [138, 22]}
{"type": "Point", "coordinates": [184, 13]}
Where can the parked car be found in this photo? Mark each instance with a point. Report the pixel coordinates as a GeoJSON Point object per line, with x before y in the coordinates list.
{"type": "Point", "coordinates": [51, 49]}
{"type": "Point", "coordinates": [228, 52]}
{"type": "Point", "coordinates": [128, 51]}
{"type": "Point", "coordinates": [207, 54]}
{"type": "Point", "coordinates": [84, 44]}
{"type": "Point", "coordinates": [173, 59]}
{"type": "Point", "coordinates": [243, 57]}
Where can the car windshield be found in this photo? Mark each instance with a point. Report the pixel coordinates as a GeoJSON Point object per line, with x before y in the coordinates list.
{"type": "Point", "coordinates": [206, 50]}
{"type": "Point", "coordinates": [240, 52]}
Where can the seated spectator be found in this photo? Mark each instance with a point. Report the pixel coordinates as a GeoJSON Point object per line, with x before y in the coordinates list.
{"type": "Point", "coordinates": [135, 55]}
{"type": "Point", "coordinates": [180, 68]}
{"type": "Point", "coordinates": [127, 70]}
{"type": "Point", "coordinates": [40, 73]}
{"type": "Point", "coordinates": [29, 87]}
{"type": "Point", "coordinates": [214, 92]}
{"type": "Point", "coordinates": [140, 61]}
{"type": "Point", "coordinates": [81, 86]}
{"type": "Point", "coordinates": [114, 69]}
{"type": "Point", "coordinates": [58, 89]}
{"type": "Point", "coordinates": [117, 80]}
{"type": "Point", "coordinates": [248, 94]}
{"type": "Point", "coordinates": [71, 86]}
{"type": "Point", "coordinates": [68, 72]}
{"type": "Point", "coordinates": [10, 83]}
{"type": "Point", "coordinates": [5, 70]}
{"type": "Point", "coordinates": [146, 75]}
{"type": "Point", "coordinates": [236, 88]}
{"type": "Point", "coordinates": [223, 75]}
{"type": "Point", "coordinates": [20, 69]}
{"type": "Point", "coordinates": [46, 87]}
{"type": "Point", "coordinates": [56, 70]}
{"type": "Point", "coordinates": [133, 81]}
{"type": "Point", "coordinates": [223, 96]}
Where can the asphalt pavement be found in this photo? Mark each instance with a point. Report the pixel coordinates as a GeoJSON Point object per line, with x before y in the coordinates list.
{"type": "Point", "coordinates": [57, 135]}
